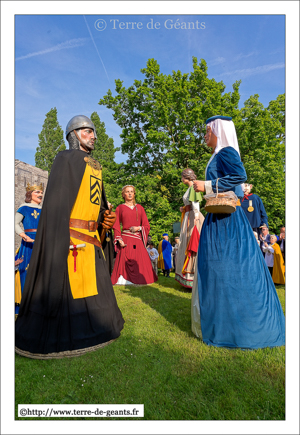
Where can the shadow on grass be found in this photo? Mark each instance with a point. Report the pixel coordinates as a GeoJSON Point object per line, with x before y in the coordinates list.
{"type": "Point", "coordinates": [171, 283]}
{"type": "Point", "coordinates": [175, 309]}
{"type": "Point", "coordinates": [179, 379]}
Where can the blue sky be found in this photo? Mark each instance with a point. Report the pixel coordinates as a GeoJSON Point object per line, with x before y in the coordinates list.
{"type": "Point", "coordinates": [69, 61]}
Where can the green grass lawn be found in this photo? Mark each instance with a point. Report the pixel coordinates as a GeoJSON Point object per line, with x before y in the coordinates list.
{"type": "Point", "coordinates": [158, 362]}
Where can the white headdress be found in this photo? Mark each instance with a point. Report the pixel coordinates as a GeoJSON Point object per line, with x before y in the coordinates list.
{"type": "Point", "coordinates": [226, 134]}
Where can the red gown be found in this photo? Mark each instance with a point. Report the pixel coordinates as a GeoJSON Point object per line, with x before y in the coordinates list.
{"type": "Point", "coordinates": [132, 261]}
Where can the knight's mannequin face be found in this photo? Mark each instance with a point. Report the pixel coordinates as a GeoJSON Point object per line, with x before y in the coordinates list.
{"type": "Point", "coordinates": [87, 137]}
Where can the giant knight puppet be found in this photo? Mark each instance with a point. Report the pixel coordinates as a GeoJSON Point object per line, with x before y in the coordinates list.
{"type": "Point", "coordinates": [68, 304]}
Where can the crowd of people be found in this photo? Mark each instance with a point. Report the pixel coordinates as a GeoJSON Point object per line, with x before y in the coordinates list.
{"type": "Point", "coordinates": [79, 248]}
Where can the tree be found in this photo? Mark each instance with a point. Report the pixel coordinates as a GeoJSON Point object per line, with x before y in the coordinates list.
{"type": "Point", "coordinates": [50, 142]}
{"type": "Point", "coordinates": [163, 117]}
{"type": "Point", "coordinates": [104, 152]}
{"type": "Point", "coordinates": [261, 136]}
{"type": "Point", "coordinates": [163, 126]}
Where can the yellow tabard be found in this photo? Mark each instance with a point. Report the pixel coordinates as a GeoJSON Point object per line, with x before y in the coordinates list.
{"type": "Point", "coordinates": [87, 206]}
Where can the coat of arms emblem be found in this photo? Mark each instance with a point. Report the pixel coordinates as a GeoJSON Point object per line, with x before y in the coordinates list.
{"type": "Point", "coordinates": [95, 191]}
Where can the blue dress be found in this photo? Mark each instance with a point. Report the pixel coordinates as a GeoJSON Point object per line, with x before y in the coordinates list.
{"type": "Point", "coordinates": [258, 216]}
{"type": "Point", "coordinates": [239, 306]}
{"type": "Point", "coordinates": [30, 221]}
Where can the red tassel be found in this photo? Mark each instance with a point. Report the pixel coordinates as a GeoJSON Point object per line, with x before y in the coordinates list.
{"type": "Point", "coordinates": [75, 253]}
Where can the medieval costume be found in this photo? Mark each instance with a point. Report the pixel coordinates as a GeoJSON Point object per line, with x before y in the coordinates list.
{"type": "Point", "coordinates": [278, 275]}
{"type": "Point", "coordinates": [165, 256]}
{"type": "Point", "coordinates": [29, 215]}
{"type": "Point", "coordinates": [68, 305]}
{"type": "Point", "coordinates": [132, 263]}
{"type": "Point", "coordinates": [238, 303]}
{"type": "Point", "coordinates": [195, 307]}
{"type": "Point", "coordinates": [254, 210]}
{"type": "Point", "coordinates": [275, 263]}
{"type": "Point", "coordinates": [189, 238]}
{"type": "Point", "coordinates": [281, 244]}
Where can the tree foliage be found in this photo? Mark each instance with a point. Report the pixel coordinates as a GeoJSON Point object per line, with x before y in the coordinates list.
{"type": "Point", "coordinates": [162, 118]}
{"type": "Point", "coordinates": [261, 135]}
{"type": "Point", "coordinates": [163, 126]}
{"type": "Point", "coordinates": [50, 142]}
{"type": "Point", "coordinates": [104, 145]}
{"type": "Point", "coordinates": [104, 152]}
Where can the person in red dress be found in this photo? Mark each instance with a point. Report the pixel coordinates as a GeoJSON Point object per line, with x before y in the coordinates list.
{"type": "Point", "coordinates": [132, 264]}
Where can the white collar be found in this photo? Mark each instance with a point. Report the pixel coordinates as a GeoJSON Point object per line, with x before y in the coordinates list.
{"type": "Point", "coordinates": [30, 204]}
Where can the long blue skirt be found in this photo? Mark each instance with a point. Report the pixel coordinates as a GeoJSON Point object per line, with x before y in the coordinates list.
{"type": "Point", "coordinates": [239, 306]}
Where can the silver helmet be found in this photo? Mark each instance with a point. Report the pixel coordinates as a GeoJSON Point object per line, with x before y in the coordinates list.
{"type": "Point", "coordinates": [80, 121]}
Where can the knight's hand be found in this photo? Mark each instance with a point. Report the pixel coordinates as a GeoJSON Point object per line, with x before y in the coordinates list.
{"type": "Point", "coordinates": [109, 219]}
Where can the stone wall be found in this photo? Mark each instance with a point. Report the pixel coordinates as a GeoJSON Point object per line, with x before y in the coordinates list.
{"type": "Point", "coordinates": [25, 173]}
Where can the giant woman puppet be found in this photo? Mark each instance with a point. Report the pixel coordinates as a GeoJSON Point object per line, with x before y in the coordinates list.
{"type": "Point", "coordinates": [234, 303]}
{"type": "Point", "coordinates": [132, 265]}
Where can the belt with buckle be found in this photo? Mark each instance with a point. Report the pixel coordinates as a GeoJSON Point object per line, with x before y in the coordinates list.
{"type": "Point", "coordinates": [85, 225]}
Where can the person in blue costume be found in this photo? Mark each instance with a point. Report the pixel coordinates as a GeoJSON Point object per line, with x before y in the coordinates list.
{"type": "Point", "coordinates": [254, 209]}
{"type": "Point", "coordinates": [165, 255]}
{"type": "Point", "coordinates": [28, 214]}
{"type": "Point", "coordinates": [238, 303]}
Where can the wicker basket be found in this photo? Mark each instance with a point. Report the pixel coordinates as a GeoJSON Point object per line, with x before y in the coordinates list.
{"type": "Point", "coordinates": [221, 202]}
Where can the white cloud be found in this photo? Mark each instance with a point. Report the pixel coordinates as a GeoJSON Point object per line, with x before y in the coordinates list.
{"type": "Point", "coordinates": [216, 61]}
{"type": "Point", "coordinates": [246, 72]}
{"type": "Point", "coordinates": [72, 43]}
{"type": "Point", "coordinates": [244, 56]}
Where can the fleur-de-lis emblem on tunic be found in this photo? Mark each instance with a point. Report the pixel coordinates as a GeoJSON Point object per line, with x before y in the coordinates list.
{"type": "Point", "coordinates": [35, 214]}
